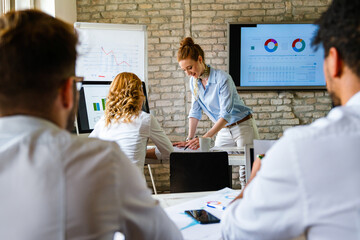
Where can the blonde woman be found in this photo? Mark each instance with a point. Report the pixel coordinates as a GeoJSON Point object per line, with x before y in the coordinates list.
{"type": "Point", "coordinates": [125, 123]}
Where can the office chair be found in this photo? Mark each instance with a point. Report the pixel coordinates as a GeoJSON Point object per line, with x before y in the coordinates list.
{"type": "Point", "coordinates": [262, 146]}
{"type": "Point", "coordinates": [199, 171]}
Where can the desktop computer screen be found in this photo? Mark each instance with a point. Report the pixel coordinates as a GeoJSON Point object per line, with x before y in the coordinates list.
{"type": "Point", "coordinates": [92, 104]}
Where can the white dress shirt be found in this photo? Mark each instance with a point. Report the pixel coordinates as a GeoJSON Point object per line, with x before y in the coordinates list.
{"type": "Point", "coordinates": [309, 182]}
{"type": "Point", "coordinates": [133, 137]}
{"type": "Point", "coordinates": [57, 186]}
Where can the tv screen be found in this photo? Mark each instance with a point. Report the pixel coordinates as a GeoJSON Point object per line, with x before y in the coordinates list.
{"type": "Point", "coordinates": [275, 56]}
{"type": "Point", "coordinates": [92, 103]}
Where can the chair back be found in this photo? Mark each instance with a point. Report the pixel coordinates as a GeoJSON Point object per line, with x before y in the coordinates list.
{"type": "Point", "coordinates": [199, 171]}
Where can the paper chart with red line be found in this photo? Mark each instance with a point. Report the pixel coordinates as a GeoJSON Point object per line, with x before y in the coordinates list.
{"type": "Point", "coordinates": [104, 54]}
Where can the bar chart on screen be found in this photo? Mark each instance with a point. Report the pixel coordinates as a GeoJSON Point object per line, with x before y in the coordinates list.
{"type": "Point", "coordinates": [95, 97]}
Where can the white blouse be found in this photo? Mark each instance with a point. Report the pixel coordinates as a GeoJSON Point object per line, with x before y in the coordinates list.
{"type": "Point", "coordinates": [133, 137]}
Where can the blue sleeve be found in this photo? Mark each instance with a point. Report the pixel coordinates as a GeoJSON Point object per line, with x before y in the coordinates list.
{"type": "Point", "coordinates": [226, 99]}
{"type": "Point", "coordinates": [195, 110]}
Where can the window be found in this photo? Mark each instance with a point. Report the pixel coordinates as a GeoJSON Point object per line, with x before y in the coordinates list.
{"type": "Point", "coordinates": [4, 6]}
{"type": "Point", "coordinates": [7, 5]}
{"type": "Point", "coordinates": [23, 4]}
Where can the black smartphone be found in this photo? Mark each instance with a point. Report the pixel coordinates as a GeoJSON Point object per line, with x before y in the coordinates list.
{"type": "Point", "coordinates": [202, 216]}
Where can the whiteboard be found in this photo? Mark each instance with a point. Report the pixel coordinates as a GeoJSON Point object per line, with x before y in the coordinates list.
{"type": "Point", "coordinates": [106, 50]}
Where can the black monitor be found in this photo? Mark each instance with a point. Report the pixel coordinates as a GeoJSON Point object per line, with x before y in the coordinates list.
{"type": "Point", "coordinates": [275, 56]}
{"type": "Point", "coordinates": [92, 104]}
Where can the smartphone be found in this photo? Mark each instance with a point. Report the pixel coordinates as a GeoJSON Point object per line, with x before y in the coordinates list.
{"type": "Point", "coordinates": [202, 216]}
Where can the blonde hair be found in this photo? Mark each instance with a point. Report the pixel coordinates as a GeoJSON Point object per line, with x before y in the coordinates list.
{"type": "Point", "coordinates": [125, 98]}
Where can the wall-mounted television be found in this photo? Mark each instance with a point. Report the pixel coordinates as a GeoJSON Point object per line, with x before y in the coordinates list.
{"type": "Point", "coordinates": [274, 56]}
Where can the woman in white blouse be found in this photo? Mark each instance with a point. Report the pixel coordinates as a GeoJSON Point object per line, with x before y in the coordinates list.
{"type": "Point", "coordinates": [131, 128]}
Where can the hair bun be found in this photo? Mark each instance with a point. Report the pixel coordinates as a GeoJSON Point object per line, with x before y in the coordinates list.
{"type": "Point", "coordinates": [188, 41]}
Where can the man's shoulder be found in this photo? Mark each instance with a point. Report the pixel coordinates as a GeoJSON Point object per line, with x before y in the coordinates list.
{"type": "Point", "coordinates": [90, 146]}
{"type": "Point", "coordinates": [74, 148]}
{"type": "Point", "coordinates": [340, 120]}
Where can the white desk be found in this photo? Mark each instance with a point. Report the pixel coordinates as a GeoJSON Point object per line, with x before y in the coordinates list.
{"type": "Point", "coordinates": [171, 199]}
{"type": "Point", "coordinates": [175, 203]}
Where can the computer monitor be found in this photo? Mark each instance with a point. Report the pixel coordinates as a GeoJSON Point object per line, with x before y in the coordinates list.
{"type": "Point", "coordinates": [92, 104]}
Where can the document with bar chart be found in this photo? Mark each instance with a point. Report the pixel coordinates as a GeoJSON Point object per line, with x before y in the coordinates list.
{"type": "Point", "coordinates": [280, 55]}
{"type": "Point", "coordinates": [106, 50]}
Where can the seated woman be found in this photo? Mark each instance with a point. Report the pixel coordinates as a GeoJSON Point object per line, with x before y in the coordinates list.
{"type": "Point", "coordinates": [125, 123]}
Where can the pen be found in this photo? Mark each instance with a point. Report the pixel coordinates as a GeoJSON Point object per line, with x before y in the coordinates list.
{"type": "Point", "coordinates": [189, 145]}
{"type": "Point", "coordinates": [220, 207]}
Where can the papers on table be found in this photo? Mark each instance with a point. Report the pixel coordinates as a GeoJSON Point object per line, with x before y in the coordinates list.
{"type": "Point", "coordinates": [189, 227]}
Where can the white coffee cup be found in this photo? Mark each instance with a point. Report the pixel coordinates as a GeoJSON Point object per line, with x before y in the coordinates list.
{"type": "Point", "coordinates": [204, 144]}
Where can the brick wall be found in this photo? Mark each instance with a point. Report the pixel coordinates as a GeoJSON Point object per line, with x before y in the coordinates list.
{"type": "Point", "coordinates": [168, 21]}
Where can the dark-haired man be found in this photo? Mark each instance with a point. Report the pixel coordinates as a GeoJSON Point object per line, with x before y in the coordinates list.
{"type": "Point", "coordinates": [55, 185]}
{"type": "Point", "coordinates": [309, 181]}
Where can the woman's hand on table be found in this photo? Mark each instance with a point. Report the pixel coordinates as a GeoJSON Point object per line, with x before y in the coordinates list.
{"type": "Point", "coordinates": [192, 144]}
{"type": "Point", "coordinates": [179, 144]}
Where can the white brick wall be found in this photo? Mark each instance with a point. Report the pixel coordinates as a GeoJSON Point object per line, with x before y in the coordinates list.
{"type": "Point", "coordinates": [169, 21]}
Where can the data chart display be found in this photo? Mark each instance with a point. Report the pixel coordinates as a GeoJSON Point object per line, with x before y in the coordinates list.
{"type": "Point", "coordinates": [95, 100]}
{"type": "Point", "coordinates": [92, 103]}
{"type": "Point", "coordinates": [276, 55]}
{"type": "Point", "coordinates": [106, 50]}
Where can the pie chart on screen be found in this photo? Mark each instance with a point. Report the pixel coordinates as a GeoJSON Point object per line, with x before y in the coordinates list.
{"type": "Point", "coordinates": [298, 45]}
{"type": "Point", "coordinates": [271, 45]}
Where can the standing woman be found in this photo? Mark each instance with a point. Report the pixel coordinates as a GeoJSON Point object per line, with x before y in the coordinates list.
{"type": "Point", "coordinates": [214, 92]}
{"type": "Point", "coordinates": [125, 123]}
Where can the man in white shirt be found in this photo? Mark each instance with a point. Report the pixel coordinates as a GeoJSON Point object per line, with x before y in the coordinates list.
{"type": "Point", "coordinates": [54, 185]}
{"type": "Point", "coordinates": [308, 182]}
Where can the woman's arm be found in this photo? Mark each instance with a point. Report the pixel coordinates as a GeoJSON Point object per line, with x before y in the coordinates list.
{"type": "Point", "coordinates": [216, 128]}
{"type": "Point", "coordinates": [193, 122]}
{"type": "Point", "coordinates": [161, 141]}
{"type": "Point", "coordinates": [194, 143]}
